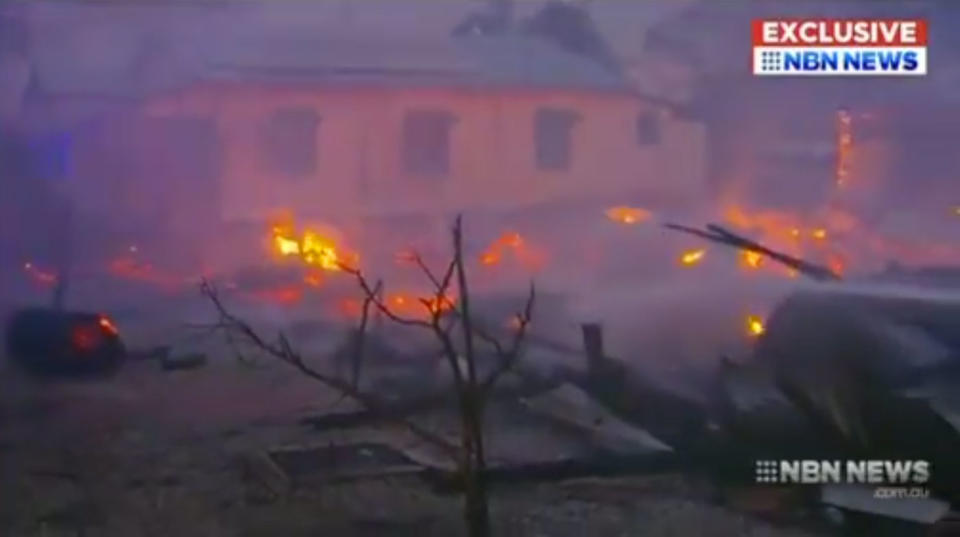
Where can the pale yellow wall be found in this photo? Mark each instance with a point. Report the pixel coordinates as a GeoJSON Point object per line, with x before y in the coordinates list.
{"type": "Point", "coordinates": [492, 151]}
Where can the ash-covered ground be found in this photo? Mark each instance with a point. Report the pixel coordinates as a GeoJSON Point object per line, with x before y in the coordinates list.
{"type": "Point", "coordinates": [157, 453]}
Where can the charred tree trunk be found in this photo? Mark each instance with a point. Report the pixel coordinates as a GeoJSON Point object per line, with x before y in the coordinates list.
{"type": "Point", "coordinates": [476, 505]}
{"type": "Point", "coordinates": [473, 389]}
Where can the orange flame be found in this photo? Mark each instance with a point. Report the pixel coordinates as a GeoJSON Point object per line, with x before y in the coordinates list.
{"type": "Point", "coordinates": [628, 215]}
{"type": "Point", "coordinates": [490, 258]}
{"type": "Point", "coordinates": [789, 233]}
{"type": "Point", "coordinates": [692, 257]}
{"type": "Point", "coordinates": [513, 242]}
{"type": "Point", "coordinates": [313, 247]}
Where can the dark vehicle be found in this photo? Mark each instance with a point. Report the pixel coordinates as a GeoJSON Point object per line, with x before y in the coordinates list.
{"type": "Point", "coordinates": [52, 342]}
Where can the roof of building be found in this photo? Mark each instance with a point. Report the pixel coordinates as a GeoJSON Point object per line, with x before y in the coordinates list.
{"type": "Point", "coordinates": [477, 62]}
{"type": "Point", "coordinates": [133, 52]}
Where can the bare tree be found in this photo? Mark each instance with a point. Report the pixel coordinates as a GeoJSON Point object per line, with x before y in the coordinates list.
{"type": "Point", "coordinates": [446, 311]}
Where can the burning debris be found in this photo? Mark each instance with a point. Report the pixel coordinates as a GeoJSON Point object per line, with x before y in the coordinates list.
{"type": "Point", "coordinates": [788, 233]}
{"type": "Point", "coordinates": [876, 366]}
{"type": "Point", "coordinates": [52, 342]}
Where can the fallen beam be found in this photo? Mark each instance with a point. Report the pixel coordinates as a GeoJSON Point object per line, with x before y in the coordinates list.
{"type": "Point", "coordinates": [721, 235]}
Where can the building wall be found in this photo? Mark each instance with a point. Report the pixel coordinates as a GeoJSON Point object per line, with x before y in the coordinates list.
{"type": "Point", "coordinates": [492, 157]}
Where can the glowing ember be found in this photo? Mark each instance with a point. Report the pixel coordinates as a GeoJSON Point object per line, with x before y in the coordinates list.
{"type": "Point", "coordinates": [411, 305]}
{"type": "Point", "coordinates": [514, 322]}
{"type": "Point", "coordinates": [405, 257]}
{"type": "Point", "coordinates": [692, 257]}
{"type": "Point", "coordinates": [819, 234]}
{"type": "Point", "coordinates": [108, 326]}
{"type": "Point", "coordinates": [956, 210]}
{"type": "Point", "coordinates": [752, 259]}
{"type": "Point", "coordinates": [490, 258]}
{"type": "Point", "coordinates": [280, 295]}
{"type": "Point", "coordinates": [128, 268]}
{"type": "Point", "coordinates": [313, 279]}
{"type": "Point", "coordinates": [350, 307]}
{"type": "Point", "coordinates": [84, 338]}
{"type": "Point", "coordinates": [836, 264]}
{"type": "Point", "coordinates": [438, 304]}
{"type": "Point", "coordinates": [628, 215]}
{"type": "Point", "coordinates": [794, 232]}
{"type": "Point", "coordinates": [754, 326]}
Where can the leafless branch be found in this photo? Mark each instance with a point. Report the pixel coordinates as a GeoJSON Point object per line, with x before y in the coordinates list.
{"type": "Point", "coordinates": [438, 283]}
{"type": "Point", "coordinates": [371, 295]}
{"type": "Point", "coordinates": [507, 358]}
{"type": "Point", "coordinates": [445, 312]}
{"type": "Point", "coordinates": [360, 337]}
{"type": "Point", "coordinates": [283, 350]}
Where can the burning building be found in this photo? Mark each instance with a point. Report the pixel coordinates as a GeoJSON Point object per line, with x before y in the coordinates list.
{"type": "Point", "coordinates": [369, 134]}
{"type": "Point", "coordinates": [874, 154]}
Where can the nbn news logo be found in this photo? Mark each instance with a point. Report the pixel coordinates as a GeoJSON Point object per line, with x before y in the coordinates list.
{"type": "Point", "coordinates": [839, 47]}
